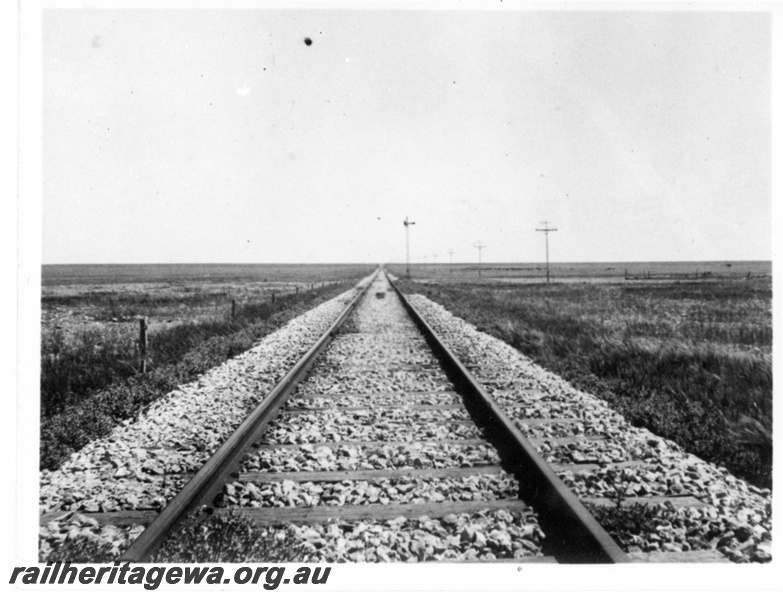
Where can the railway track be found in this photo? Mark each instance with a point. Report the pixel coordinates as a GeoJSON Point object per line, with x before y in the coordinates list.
{"type": "Point", "coordinates": [379, 444]}
{"type": "Point", "coordinates": [664, 504]}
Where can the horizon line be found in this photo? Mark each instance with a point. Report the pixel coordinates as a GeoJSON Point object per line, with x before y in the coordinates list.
{"type": "Point", "coordinates": [499, 262]}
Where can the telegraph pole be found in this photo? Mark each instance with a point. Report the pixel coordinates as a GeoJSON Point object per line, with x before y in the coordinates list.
{"type": "Point", "coordinates": [451, 260]}
{"type": "Point", "coordinates": [407, 224]}
{"type": "Point", "coordinates": [546, 231]}
{"type": "Point", "coordinates": [479, 245]}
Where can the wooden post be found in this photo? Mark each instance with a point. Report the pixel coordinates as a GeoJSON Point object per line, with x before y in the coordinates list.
{"type": "Point", "coordinates": [273, 298]}
{"type": "Point", "coordinates": [233, 309]}
{"type": "Point", "coordinates": [143, 343]}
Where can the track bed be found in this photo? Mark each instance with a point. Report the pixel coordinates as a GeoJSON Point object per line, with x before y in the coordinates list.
{"type": "Point", "coordinates": [382, 447]}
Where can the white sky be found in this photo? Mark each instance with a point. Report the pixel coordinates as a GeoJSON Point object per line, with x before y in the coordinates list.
{"type": "Point", "coordinates": [219, 136]}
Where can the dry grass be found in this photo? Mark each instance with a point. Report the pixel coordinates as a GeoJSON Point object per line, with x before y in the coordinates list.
{"type": "Point", "coordinates": [689, 360]}
{"type": "Point", "coordinates": [90, 329]}
{"type": "Point", "coordinates": [90, 361]}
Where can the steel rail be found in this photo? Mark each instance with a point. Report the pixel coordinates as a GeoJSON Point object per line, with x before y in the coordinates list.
{"type": "Point", "coordinates": [207, 483]}
{"type": "Point", "coordinates": [573, 534]}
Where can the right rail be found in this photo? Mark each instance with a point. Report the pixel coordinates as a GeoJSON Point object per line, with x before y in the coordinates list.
{"type": "Point", "coordinates": [578, 537]}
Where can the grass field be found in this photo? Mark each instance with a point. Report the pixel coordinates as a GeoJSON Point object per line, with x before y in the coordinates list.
{"type": "Point", "coordinates": [684, 351]}
{"type": "Point", "coordinates": [90, 360]}
{"type": "Point", "coordinates": [585, 272]}
{"type": "Point", "coordinates": [687, 357]}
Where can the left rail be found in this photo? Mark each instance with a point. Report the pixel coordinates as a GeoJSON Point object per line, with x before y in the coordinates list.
{"type": "Point", "coordinates": [211, 477]}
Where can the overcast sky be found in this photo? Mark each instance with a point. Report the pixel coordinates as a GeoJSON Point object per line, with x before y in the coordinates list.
{"type": "Point", "coordinates": [221, 136]}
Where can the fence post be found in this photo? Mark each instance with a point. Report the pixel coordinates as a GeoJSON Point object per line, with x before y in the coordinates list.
{"type": "Point", "coordinates": [143, 343]}
{"type": "Point", "coordinates": [273, 298]}
{"type": "Point", "coordinates": [233, 309]}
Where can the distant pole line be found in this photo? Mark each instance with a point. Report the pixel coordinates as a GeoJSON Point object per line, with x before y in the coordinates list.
{"type": "Point", "coordinates": [546, 231]}
{"type": "Point", "coordinates": [451, 260]}
{"type": "Point", "coordinates": [407, 224]}
{"type": "Point", "coordinates": [479, 245]}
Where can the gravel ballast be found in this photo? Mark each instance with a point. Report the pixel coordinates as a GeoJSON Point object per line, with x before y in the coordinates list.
{"type": "Point", "coordinates": [416, 455]}
{"type": "Point", "coordinates": [376, 400]}
{"type": "Point", "coordinates": [132, 467]}
{"type": "Point", "coordinates": [381, 425]}
{"type": "Point", "coordinates": [379, 491]}
{"type": "Point", "coordinates": [737, 516]}
{"type": "Point", "coordinates": [363, 400]}
{"type": "Point", "coordinates": [480, 536]}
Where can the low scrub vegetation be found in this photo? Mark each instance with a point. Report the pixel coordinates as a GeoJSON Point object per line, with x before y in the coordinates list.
{"type": "Point", "coordinates": [229, 537]}
{"type": "Point", "coordinates": [689, 361]}
{"type": "Point", "coordinates": [76, 363]}
{"type": "Point", "coordinates": [81, 549]}
{"type": "Point", "coordinates": [90, 385]}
